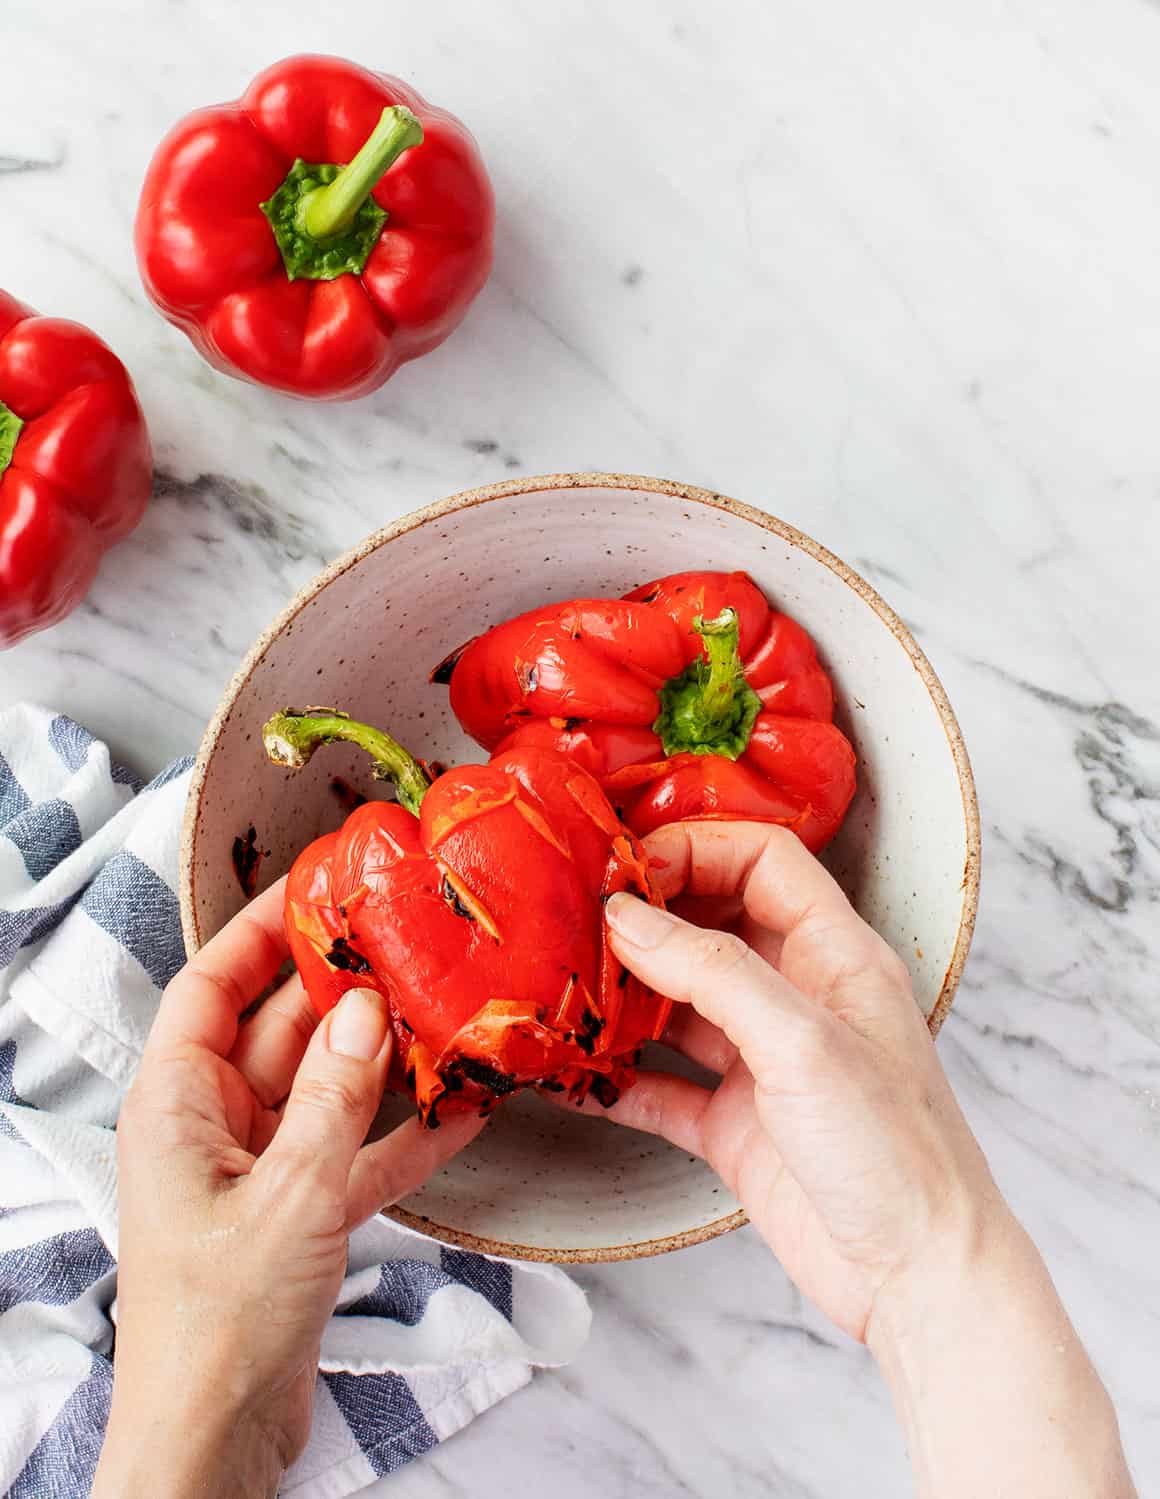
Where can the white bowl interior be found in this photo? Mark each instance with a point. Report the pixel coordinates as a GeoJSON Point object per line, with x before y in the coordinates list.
{"type": "Point", "coordinates": [540, 1179]}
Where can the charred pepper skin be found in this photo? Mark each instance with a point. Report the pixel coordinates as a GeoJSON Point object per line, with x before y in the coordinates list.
{"type": "Point", "coordinates": [76, 468]}
{"type": "Point", "coordinates": [479, 916]}
{"type": "Point", "coordinates": [691, 697]}
{"type": "Point", "coordinates": [319, 232]}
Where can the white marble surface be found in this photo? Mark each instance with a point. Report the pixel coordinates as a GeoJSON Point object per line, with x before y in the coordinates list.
{"type": "Point", "coordinates": [892, 271]}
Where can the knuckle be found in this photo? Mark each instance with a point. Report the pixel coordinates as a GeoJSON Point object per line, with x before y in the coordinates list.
{"type": "Point", "coordinates": [814, 1045]}
{"type": "Point", "coordinates": [894, 969]}
{"type": "Point", "coordinates": [779, 838]}
{"type": "Point", "coordinates": [330, 1095]}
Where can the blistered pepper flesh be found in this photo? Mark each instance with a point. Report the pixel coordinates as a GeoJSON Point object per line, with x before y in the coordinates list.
{"type": "Point", "coordinates": [479, 916]}
{"type": "Point", "coordinates": [691, 697]}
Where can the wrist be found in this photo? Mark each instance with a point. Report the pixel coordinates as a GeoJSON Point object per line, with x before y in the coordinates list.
{"type": "Point", "coordinates": [992, 1386]}
{"type": "Point", "coordinates": [982, 1250]}
{"type": "Point", "coordinates": [185, 1449]}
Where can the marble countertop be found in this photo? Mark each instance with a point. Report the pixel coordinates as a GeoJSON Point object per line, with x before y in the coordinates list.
{"type": "Point", "coordinates": [890, 271]}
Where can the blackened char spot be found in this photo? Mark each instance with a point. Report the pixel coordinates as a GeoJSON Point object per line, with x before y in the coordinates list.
{"type": "Point", "coordinates": [442, 673]}
{"type": "Point", "coordinates": [499, 1083]}
{"type": "Point", "coordinates": [591, 1024]}
{"type": "Point", "coordinates": [349, 959]}
{"type": "Point", "coordinates": [604, 1091]}
{"type": "Point", "coordinates": [247, 857]}
{"type": "Point", "coordinates": [572, 724]}
{"type": "Point", "coordinates": [451, 896]}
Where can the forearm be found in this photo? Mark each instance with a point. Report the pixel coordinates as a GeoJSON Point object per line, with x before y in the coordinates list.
{"type": "Point", "coordinates": [993, 1388]}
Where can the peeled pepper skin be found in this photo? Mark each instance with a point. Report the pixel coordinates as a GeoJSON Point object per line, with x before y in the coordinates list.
{"type": "Point", "coordinates": [584, 677]}
{"type": "Point", "coordinates": [481, 922]}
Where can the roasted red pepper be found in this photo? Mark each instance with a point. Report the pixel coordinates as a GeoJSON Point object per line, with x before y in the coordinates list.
{"type": "Point", "coordinates": [475, 906]}
{"type": "Point", "coordinates": [75, 464]}
{"type": "Point", "coordinates": [689, 697]}
{"type": "Point", "coordinates": [288, 268]}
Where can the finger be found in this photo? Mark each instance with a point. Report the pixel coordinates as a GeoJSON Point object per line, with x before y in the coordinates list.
{"type": "Point", "coordinates": [722, 912]}
{"type": "Point", "coordinates": [773, 872]}
{"type": "Point", "coordinates": [693, 1036]}
{"type": "Point", "coordinates": [759, 1010]}
{"type": "Point", "coordinates": [335, 1094]}
{"type": "Point", "coordinates": [402, 1161]}
{"type": "Point", "coordinates": [658, 1103]}
{"type": "Point", "coordinates": [706, 859]}
{"type": "Point", "coordinates": [272, 1043]}
{"type": "Point", "coordinates": [826, 947]}
{"type": "Point", "coordinates": [263, 1128]}
{"type": "Point", "coordinates": [203, 1002]}
{"type": "Point", "coordinates": [766, 944]}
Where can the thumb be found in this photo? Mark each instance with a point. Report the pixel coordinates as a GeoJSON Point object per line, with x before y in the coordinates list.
{"type": "Point", "coordinates": [337, 1089]}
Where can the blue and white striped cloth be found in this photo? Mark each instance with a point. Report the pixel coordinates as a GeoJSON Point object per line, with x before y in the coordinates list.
{"type": "Point", "coordinates": [423, 1339]}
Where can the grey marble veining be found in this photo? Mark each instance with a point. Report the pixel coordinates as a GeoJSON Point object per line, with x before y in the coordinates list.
{"type": "Point", "coordinates": [889, 271]}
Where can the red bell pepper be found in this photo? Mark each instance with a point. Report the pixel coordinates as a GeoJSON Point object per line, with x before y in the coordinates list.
{"type": "Point", "coordinates": [75, 464]}
{"type": "Point", "coordinates": [475, 906]}
{"type": "Point", "coordinates": [689, 697]}
{"type": "Point", "coordinates": [288, 268]}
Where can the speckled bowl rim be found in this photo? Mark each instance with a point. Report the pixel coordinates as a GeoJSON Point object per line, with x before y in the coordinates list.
{"type": "Point", "coordinates": [505, 489]}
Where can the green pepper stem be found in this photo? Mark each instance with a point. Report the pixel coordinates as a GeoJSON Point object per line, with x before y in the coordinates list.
{"type": "Point", "coordinates": [10, 428]}
{"type": "Point", "coordinates": [722, 637]}
{"type": "Point", "coordinates": [710, 709]}
{"type": "Point", "coordinates": [290, 739]}
{"type": "Point", "coordinates": [331, 210]}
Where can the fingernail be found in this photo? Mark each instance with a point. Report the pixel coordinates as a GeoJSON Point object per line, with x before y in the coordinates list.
{"type": "Point", "coordinates": [358, 1026]}
{"type": "Point", "coordinates": [637, 922]}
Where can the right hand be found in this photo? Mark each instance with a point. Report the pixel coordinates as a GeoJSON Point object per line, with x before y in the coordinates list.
{"type": "Point", "coordinates": [834, 1123]}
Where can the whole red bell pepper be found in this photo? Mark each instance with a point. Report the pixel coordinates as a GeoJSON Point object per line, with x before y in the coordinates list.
{"type": "Point", "coordinates": [320, 231]}
{"type": "Point", "coordinates": [474, 904]}
{"type": "Point", "coordinates": [75, 464]}
{"type": "Point", "coordinates": [689, 697]}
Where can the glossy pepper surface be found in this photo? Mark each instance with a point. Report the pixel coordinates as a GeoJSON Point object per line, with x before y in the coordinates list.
{"type": "Point", "coordinates": [320, 231]}
{"type": "Point", "coordinates": [474, 904]}
{"type": "Point", "coordinates": [689, 697]}
{"type": "Point", "coordinates": [75, 464]}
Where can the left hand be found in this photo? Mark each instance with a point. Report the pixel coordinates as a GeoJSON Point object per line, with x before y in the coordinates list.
{"type": "Point", "coordinates": [242, 1173]}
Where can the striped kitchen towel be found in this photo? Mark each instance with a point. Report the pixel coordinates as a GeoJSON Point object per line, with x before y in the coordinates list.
{"type": "Point", "coordinates": [423, 1338]}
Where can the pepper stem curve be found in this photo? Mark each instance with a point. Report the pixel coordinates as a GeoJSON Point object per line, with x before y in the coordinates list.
{"type": "Point", "coordinates": [331, 210]}
{"type": "Point", "coordinates": [710, 709]}
{"type": "Point", "coordinates": [290, 739]}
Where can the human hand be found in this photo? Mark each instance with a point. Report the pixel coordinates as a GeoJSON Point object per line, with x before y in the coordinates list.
{"type": "Point", "coordinates": [834, 1124]}
{"type": "Point", "coordinates": [242, 1173]}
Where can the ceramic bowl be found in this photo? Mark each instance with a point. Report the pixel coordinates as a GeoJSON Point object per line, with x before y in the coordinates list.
{"type": "Point", "coordinates": [543, 1183]}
